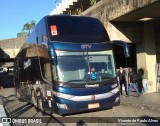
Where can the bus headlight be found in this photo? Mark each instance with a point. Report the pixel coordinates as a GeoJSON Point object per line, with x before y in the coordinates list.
{"type": "Point", "coordinates": [62, 95]}
{"type": "Point", "coordinates": [115, 90]}
{"type": "Point", "coordinates": [117, 100]}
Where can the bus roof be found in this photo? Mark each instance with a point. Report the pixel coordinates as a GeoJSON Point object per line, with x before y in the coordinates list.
{"type": "Point", "coordinates": [77, 29]}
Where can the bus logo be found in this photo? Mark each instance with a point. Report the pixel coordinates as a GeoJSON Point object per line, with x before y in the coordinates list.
{"type": "Point", "coordinates": [93, 97]}
{"type": "Point", "coordinates": [86, 46]}
{"type": "Point", "coordinates": [27, 63]}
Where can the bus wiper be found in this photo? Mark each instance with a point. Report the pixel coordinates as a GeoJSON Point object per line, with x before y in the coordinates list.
{"type": "Point", "coordinates": [88, 66]}
{"type": "Point", "coordinates": [103, 77]}
{"type": "Point", "coordinates": [72, 81]}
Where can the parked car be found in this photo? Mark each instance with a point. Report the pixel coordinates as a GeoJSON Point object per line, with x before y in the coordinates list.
{"type": "Point", "coordinates": [10, 70]}
{"type": "Point", "coordinates": [2, 70]}
{"type": "Point", "coordinates": [6, 77]}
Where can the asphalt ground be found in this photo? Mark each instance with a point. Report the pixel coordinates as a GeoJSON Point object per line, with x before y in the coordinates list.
{"type": "Point", "coordinates": [132, 108]}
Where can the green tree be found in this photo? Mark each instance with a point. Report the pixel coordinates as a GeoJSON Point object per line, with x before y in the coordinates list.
{"type": "Point", "coordinates": [29, 26]}
{"type": "Point", "coordinates": [22, 34]}
{"type": "Point", "coordinates": [92, 2]}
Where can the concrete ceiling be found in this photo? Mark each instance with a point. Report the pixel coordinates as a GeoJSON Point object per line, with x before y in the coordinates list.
{"type": "Point", "coordinates": [149, 11]}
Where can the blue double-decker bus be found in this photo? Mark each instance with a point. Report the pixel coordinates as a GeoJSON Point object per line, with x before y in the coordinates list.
{"type": "Point", "coordinates": [67, 66]}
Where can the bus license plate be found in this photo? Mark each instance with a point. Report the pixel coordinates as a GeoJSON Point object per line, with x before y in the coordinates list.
{"type": "Point", "coordinates": [95, 105]}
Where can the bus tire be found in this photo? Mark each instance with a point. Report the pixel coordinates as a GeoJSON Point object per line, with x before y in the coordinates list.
{"type": "Point", "coordinates": [17, 93]}
{"type": "Point", "coordinates": [43, 112]}
{"type": "Point", "coordinates": [34, 99]}
{"type": "Point", "coordinates": [48, 112]}
{"type": "Point", "coordinates": [40, 102]}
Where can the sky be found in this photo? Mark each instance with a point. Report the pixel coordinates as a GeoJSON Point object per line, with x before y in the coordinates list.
{"type": "Point", "coordinates": [15, 13]}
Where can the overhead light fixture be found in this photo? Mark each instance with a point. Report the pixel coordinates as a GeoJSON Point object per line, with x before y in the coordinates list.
{"type": "Point", "coordinates": [145, 19]}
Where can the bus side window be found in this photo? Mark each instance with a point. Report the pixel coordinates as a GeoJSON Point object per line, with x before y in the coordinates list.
{"type": "Point", "coordinates": [46, 69]}
{"type": "Point", "coordinates": [45, 62]}
{"type": "Point", "coordinates": [48, 72]}
{"type": "Point", "coordinates": [54, 70]}
{"type": "Point", "coordinates": [35, 73]}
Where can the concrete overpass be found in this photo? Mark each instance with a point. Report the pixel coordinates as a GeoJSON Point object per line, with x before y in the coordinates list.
{"type": "Point", "coordinates": [9, 49]}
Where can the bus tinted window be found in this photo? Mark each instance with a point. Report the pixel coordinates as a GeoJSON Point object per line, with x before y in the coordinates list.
{"type": "Point", "coordinates": [76, 29]}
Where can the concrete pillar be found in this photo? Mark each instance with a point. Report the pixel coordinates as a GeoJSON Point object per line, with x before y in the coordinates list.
{"type": "Point", "coordinates": [146, 56]}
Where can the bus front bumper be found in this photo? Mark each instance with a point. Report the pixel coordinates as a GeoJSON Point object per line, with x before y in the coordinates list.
{"type": "Point", "coordinates": [63, 106]}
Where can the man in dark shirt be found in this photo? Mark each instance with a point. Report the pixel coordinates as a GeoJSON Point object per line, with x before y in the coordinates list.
{"type": "Point", "coordinates": [122, 79]}
{"type": "Point", "coordinates": [132, 82]}
{"type": "Point", "coordinates": [140, 78]}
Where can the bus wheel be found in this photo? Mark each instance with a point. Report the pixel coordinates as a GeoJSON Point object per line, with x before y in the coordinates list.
{"type": "Point", "coordinates": [43, 112]}
{"type": "Point", "coordinates": [48, 112]}
{"type": "Point", "coordinates": [17, 93]}
{"type": "Point", "coordinates": [33, 98]}
{"type": "Point", "coordinates": [40, 102]}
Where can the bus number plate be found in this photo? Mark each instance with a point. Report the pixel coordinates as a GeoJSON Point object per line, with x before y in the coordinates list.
{"type": "Point", "coordinates": [95, 105]}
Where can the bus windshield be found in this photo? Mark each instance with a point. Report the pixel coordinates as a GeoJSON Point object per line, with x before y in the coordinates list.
{"type": "Point", "coordinates": [85, 66]}
{"type": "Point", "coordinates": [76, 29]}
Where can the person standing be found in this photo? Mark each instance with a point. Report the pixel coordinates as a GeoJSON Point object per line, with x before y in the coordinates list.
{"type": "Point", "coordinates": [122, 79]}
{"type": "Point", "coordinates": [1, 87]}
{"type": "Point", "coordinates": [144, 80]}
{"type": "Point", "coordinates": [132, 82]}
{"type": "Point", "coordinates": [140, 78]}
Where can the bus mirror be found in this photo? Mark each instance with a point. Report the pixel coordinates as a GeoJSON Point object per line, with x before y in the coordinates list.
{"type": "Point", "coordinates": [53, 58]}
{"type": "Point", "coordinates": [124, 45]}
{"type": "Point", "coordinates": [51, 53]}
